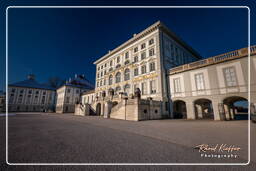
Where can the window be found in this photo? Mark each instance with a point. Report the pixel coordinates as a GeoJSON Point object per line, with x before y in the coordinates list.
{"type": "Point", "coordinates": [126, 55]}
{"type": "Point", "coordinates": [101, 66]}
{"type": "Point", "coordinates": [77, 91]}
{"type": "Point", "coordinates": [36, 99]}
{"type": "Point", "coordinates": [143, 45]}
{"type": "Point", "coordinates": [98, 68]}
{"type": "Point", "coordinates": [151, 41]}
{"type": "Point", "coordinates": [13, 90]}
{"type": "Point", "coordinates": [143, 55]}
{"type": "Point", "coordinates": [135, 59]}
{"type": "Point", "coordinates": [135, 49]}
{"type": "Point", "coordinates": [98, 84]}
{"type": "Point", "coordinates": [110, 80]}
{"type": "Point", "coordinates": [44, 93]}
{"type": "Point", "coordinates": [144, 88]}
{"type": "Point", "coordinates": [118, 66]}
{"type": "Point", "coordinates": [118, 77]}
{"type": "Point", "coordinates": [136, 71]}
{"type": "Point", "coordinates": [143, 69]}
{"type": "Point", "coordinates": [176, 83]}
{"type": "Point", "coordinates": [118, 59]}
{"type": "Point", "coordinates": [153, 86]}
{"type": "Point", "coordinates": [152, 66]}
{"type": "Point", "coordinates": [111, 63]}
{"type": "Point", "coordinates": [101, 74]}
{"type": "Point", "coordinates": [28, 99]}
{"type": "Point", "coordinates": [126, 74]}
{"type": "Point", "coordinates": [230, 76]}
{"type": "Point", "coordinates": [151, 52]}
{"type": "Point", "coordinates": [21, 91]}
{"type": "Point", "coordinates": [98, 75]}
{"type": "Point", "coordinates": [105, 65]}
{"type": "Point", "coordinates": [105, 72]}
{"type": "Point", "coordinates": [68, 90]}
{"type": "Point", "coordinates": [30, 92]}
{"type": "Point", "coordinates": [43, 99]}
{"type": "Point", "coordinates": [104, 82]}
{"type": "Point", "coordinates": [199, 78]}
{"type": "Point", "coordinates": [11, 98]}
{"type": "Point", "coordinates": [67, 99]}
{"type": "Point", "coordinates": [126, 62]}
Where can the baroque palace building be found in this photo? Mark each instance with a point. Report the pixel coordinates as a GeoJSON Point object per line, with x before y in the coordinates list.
{"type": "Point", "coordinates": [30, 96]}
{"type": "Point", "coordinates": [156, 75]}
{"type": "Point", "coordinates": [143, 62]}
{"type": "Point", "coordinates": [69, 94]}
{"type": "Point", "coordinates": [153, 75]}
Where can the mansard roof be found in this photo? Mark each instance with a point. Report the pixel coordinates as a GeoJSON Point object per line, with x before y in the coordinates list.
{"type": "Point", "coordinates": [79, 82]}
{"type": "Point", "coordinates": [153, 27]}
{"type": "Point", "coordinates": [31, 83]}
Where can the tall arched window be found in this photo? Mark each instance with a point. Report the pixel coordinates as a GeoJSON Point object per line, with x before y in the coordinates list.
{"type": "Point", "coordinates": [126, 74]}
{"type": "Point", "coordinates": [110, 80]}
{"type": "Point", "coordinates": [118, 77]}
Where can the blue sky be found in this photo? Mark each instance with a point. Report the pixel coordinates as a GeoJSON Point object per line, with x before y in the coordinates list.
{"type": "Point", "coordinates": [64, 42]}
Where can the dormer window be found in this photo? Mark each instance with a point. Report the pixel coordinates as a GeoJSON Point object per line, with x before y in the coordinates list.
{"type": "Point", "coordinates": [118, 59]}
{"type": "Point", "coordinates": [151, 41]}
{"type": "Point", "coordinates": [135, 49]}
{"type": "Point", "coordinates": [126, 55]}
{"type": "Point", "coordinates": [143, 45]}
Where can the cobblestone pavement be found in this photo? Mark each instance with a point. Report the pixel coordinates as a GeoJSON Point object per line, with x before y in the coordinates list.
{"type": "Point", "coordinates": [65, 138]}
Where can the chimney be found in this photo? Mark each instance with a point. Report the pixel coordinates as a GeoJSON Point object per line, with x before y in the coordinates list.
{"type": "Point", "coordinates": [31, 77]}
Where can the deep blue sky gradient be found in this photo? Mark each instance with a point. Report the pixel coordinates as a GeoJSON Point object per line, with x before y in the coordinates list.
{"type": "Point", "coordinates": [64, 42]}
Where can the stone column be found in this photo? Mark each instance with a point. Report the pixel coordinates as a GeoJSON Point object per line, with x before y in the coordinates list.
{"type": "Point", "coordinates": [226, 109]}
{"type": "Point", "coordinates": [191, 110]}
{"type": "Point", "coordinates": [232, 113]}
{"type": "Point", "coordinates": [199, 111]}
{"type": "Point", "coordinates": [218, 110]}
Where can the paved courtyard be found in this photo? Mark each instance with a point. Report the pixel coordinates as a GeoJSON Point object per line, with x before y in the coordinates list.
{"type": "Point", "coordinates": [65, 138]}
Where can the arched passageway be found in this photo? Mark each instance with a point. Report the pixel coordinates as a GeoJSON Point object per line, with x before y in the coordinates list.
{"type": "Point", "coordinates": [179, 110]}
{"type": "Point", "coordinates": [235, 108]}
{"type": "Point", "coordinates": [203, 109]}
{"type": "Point", "coordinates": [98, 109]}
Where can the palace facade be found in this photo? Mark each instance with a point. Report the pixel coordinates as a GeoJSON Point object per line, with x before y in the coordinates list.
{"type": "Point", "coordinates": [30, 96]}
{"type": "Point", "coordinates": [143, 62]}
{"type": "Point", "coordinates": [156, 75]}
{"type": "Point", "coordinates": [69, 94]}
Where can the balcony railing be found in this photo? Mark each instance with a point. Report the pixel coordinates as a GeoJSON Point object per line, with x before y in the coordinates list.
{"type": "Point", "coordinates": [215, 59]}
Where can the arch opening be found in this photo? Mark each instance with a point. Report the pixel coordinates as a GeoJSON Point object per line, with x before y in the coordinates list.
{"type": "Point", "coordinates": [203, 109]}
{"type": "Point", "coordinates": [236, 108]}
{"type": "Point", "coordinates": [98, 109]}
{"type": "Point", "coordinates": [179, 109]}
